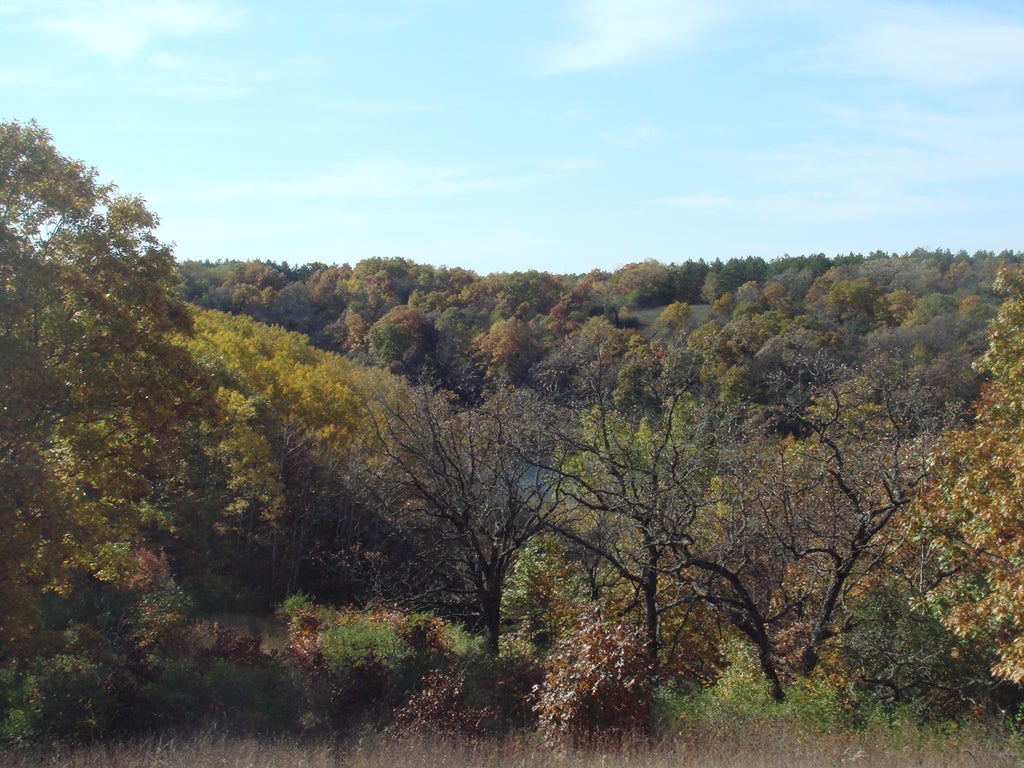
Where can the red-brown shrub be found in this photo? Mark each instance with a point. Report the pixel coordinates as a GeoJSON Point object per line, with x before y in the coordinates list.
{"type": "Point", "coordinates": [439, 709]}
{"type": "Point", "coordinates": [597, 688]}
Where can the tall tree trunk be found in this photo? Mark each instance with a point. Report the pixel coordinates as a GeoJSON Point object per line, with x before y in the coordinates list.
{"type": "Point", "coordinates": [649, 589]}
{"type": "Point", "coordinates": [765, 656]}
{"type": "Point", "coordinates": [489, 596]}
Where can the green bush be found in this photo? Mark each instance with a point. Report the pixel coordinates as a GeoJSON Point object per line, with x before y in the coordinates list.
{"type": "Point", "coordinates": [740, 695]}
{"type": "Point", "coordinates": [372, 665]}
{"type": "Point", "coordinates": [906, 659]}
{"type": "Point", "coordinates": [67, 697]}
{"type": "Point", "coordinates": [741, 699]}
{"type": "Point", "coordinates": [464, 646]}
{"type": "Point", "coordinates": [816, 704]}
{"type": "Point", "coordinates": [266, 697]}
{"type": "Point", "coordinates": [15, 720]}
{"type": "Point", "coordinates": [400, 648]}
{"type": "Point", "coordinates": [360, 644]}
{"type": "Point", "coordinates": [504, 686]}
{"type": "Point", "coordinates": [363, 664]}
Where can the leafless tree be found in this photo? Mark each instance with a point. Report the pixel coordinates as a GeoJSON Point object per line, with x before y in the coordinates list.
{"type": "Point", "coordinates": [467, 485]}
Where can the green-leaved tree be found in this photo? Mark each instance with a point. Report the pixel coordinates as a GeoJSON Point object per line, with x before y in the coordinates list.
{"type": "Point", "coordinates": [92, 383]}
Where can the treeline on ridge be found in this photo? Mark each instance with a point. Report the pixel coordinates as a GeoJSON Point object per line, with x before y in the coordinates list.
{"type": "Point", "coordinates": [463, 332]}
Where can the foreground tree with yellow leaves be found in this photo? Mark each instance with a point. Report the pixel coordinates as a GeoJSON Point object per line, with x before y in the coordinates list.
{"type": "Point", "coordinates": [93, 385]}
{"type": "Point", "coordinates": [974, 511]}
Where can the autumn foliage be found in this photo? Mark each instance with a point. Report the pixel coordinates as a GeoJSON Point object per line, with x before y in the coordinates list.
{"type": "Point", "coordinates": [974, 512]}
{"type": "Point", "coordinates": [429, 484]}
{"type": "Point", "coordinates": [598, 686]}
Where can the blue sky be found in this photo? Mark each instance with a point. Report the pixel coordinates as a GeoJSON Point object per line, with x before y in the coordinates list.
{"type": "Point", "coordinates": [561, 135]}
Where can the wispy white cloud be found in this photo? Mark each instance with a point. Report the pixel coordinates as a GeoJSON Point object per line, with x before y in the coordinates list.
{"type": "Point", "coordinates": [643, 135]}
{"type": "Point", "coordinates": [573, 164]}
{"type": "Point", "coordinates": [375, 107]}
{"type": "Point", "coordinates": [610, 33]}
{"type": "Point", "coordinates": [205, 77]}
{"type": "Point", "coordinates": [197, 77]}
{"type": "Point", "coordinates": [872, 165]}
{"type": "Point", "coordinates": [819, 182]}
{"type": "Point", "coordinates": [933, 46]}
{"type": "Point", "coordinates": [701, 202]}
{"type": "Point", "coordinates": [982, 140]}
{"type": "Point", "coordinates": [368, 180]}
{"type": "Point", "coordinates": [119, 29]}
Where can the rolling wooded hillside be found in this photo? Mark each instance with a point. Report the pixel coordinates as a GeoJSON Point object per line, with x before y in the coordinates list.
{"type": "Point", "coordinates": [483, 503]}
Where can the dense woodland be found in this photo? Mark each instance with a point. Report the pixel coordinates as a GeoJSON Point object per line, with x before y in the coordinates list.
{"type": "Point", "coordinates": [307, 497]}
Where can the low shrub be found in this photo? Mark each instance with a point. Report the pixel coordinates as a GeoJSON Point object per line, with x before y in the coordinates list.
{"type": "Point", "coordinates": [597, 687]}
{"type": "Point", "coordinates": [740, 695]}
{"type": "Point", "coordinates": [258, 698]}
{"type": "Point", "coordinates": [439, 708]}
{"type": "Point", "coordinates": [512, 685]}
{"type": "Point", "coordinates": [362, 665]}
{"type": "Point", "coordinates": [65, 697]}
{"type": "Point", "coordinates": [741, 700]}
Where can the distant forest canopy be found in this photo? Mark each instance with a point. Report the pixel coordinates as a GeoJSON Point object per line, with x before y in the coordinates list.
{"type": "Point", "coordinates": [453, 328]}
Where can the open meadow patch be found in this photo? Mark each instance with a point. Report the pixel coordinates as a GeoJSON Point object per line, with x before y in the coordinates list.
{"type": "Point", "coordinates": [756, 749]}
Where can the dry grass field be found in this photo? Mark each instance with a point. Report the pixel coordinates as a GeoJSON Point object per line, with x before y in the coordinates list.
{"type": "Point", "coordinates": [749, 750]}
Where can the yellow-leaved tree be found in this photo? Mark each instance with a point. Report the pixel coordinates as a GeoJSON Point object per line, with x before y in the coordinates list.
{"type": "Point", "coordinates": [267, 474]}
{"type": "Point", "coordinates": [974, 510]}
{"type": "Point", "coordinates": [93, 385]}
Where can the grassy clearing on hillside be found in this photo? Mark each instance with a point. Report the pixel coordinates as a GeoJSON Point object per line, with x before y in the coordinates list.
{"type": "Point", "coordinates": [752, 749]}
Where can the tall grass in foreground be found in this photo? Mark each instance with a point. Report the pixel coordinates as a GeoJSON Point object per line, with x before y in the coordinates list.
{"type": "Point", "coordinates": [774, 748]}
